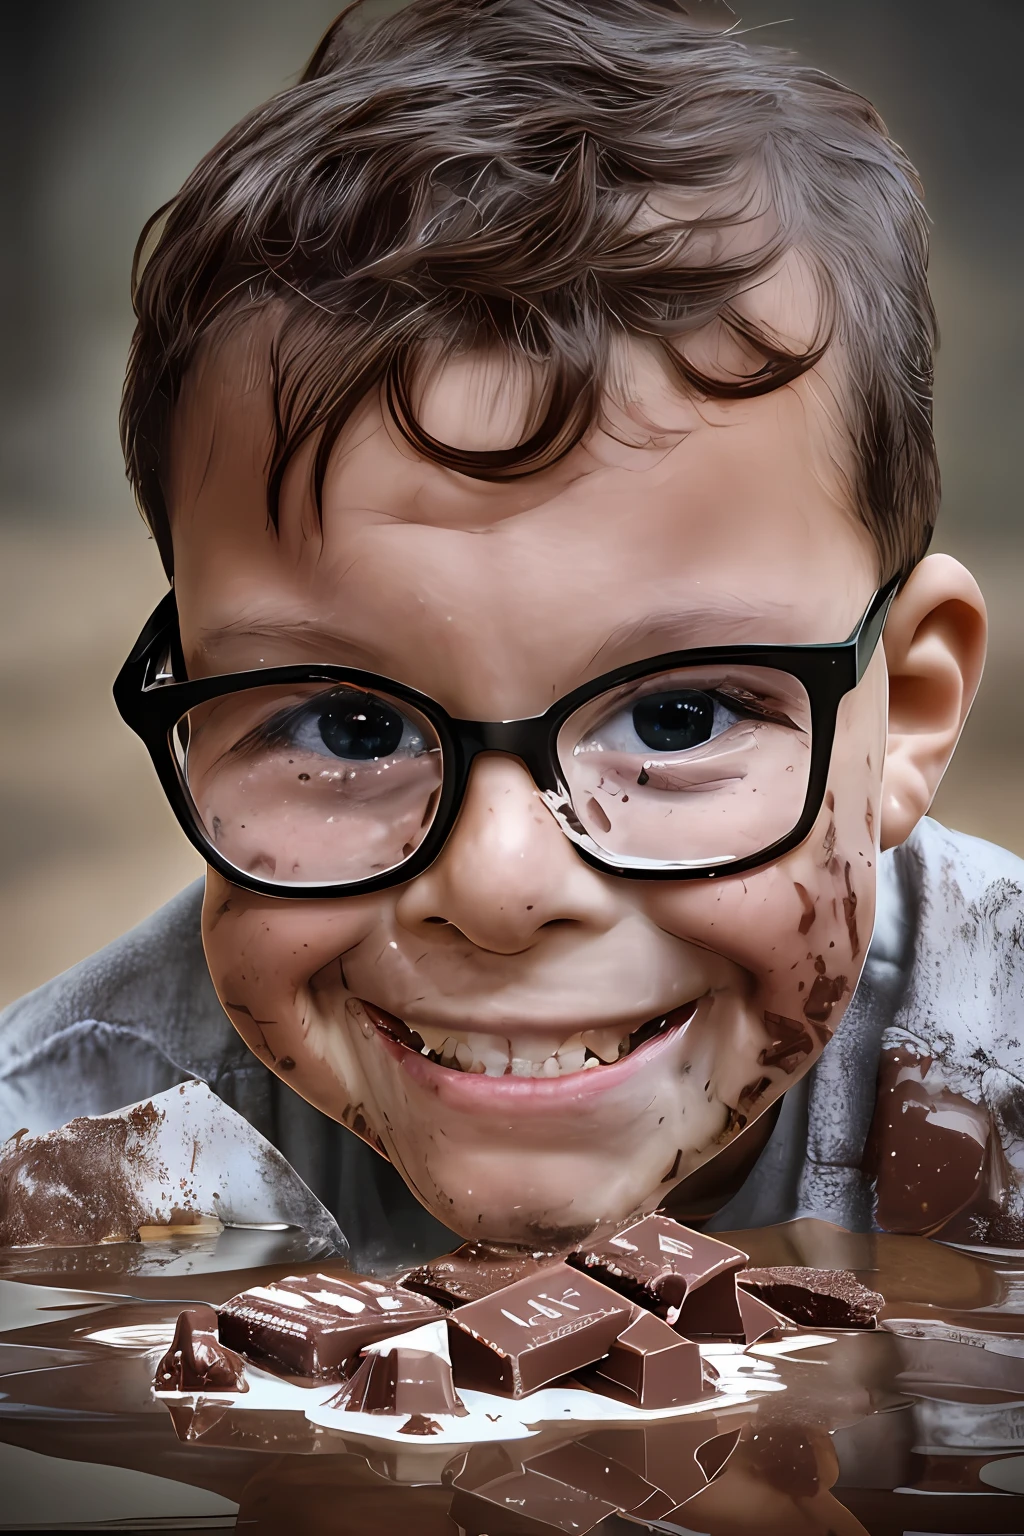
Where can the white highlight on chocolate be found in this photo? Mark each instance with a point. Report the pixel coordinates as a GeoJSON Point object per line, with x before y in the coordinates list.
{"type": "Point", "coordinates": [742, 1378]}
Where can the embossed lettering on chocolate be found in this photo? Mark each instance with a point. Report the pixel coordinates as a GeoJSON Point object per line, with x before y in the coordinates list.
{"type": "Point", "coordinates": [529, 1334]}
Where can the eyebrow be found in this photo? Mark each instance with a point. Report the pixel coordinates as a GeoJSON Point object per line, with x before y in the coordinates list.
{"type": "Point", "coordinates": [724, 619]}
{"type": "Point", "coordinates": [302, 631]}
{"type": "Point", "coordinates": [710, 621]}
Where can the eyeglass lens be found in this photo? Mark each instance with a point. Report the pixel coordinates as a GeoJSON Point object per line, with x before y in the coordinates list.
{"type": "Point", "coordinates": [325, 784]}
{"type": "Point", "coordinates": [308, 784]}
{"type": "Point", "coordinates": [691, 767]}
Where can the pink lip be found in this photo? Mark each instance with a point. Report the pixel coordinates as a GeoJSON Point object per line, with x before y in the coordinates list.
{"type": "Point", "coordinates": [476, 1093]}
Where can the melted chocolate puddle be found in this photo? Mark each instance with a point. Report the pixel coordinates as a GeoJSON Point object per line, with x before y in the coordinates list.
{"type": "Point", "coordinates": [913, 1427]}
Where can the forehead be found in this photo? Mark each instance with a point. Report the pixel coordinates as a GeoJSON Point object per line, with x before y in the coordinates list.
{"type": "Point", "coordinates": [676, 523]}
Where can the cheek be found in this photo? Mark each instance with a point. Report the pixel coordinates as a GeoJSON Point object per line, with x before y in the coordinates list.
{"type": "Point", "coordinates": [798, 930]}
{"type": "Point", "coordinates": [262, 955]}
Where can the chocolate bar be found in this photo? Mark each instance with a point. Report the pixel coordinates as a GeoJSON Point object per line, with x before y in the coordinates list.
{"type": "Point", "coordinates": [315, 1326]}
{"type": "Point", "coordinates": [472, 1272]}
{"type": "Point", "coordinates": [196, 1360]}
{"type": "Point", "coordinates": [548, 1325]}
{"type": "Point", "coordinates": [651, 1365]}
{"type": "Point", "coordinates": [680, 1275]}
{"type": "Point", "coordinates": [412, 1381]}
{"type": "Point", "coordinates": [818, 1298]}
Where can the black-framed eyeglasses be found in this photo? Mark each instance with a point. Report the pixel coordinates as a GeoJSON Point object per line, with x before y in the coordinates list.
{"type": "Point", "coordinates": [308, 781]}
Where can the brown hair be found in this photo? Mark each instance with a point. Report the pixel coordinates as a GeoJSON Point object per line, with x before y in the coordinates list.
{"type": "Point", "coordinates": [472, 172]}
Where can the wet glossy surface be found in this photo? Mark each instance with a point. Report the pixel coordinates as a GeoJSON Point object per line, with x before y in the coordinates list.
{"type": "Point", "coordinates": [918, 1427]}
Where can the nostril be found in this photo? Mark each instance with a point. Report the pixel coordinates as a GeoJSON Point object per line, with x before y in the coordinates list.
{"type": "Point", "coordinates": [435, 919]}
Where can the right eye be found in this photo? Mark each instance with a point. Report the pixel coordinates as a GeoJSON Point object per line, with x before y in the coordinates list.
{"type": "Point", "coordinates": [346, 723]}
{"type": "Point", "coordinates": [359, 728]}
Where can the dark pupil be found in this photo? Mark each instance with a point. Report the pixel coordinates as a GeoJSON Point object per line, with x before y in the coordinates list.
{"type": "Point", "coordinates": [361, 728]}
{"type": "Point", "coordinates": [671, 722]}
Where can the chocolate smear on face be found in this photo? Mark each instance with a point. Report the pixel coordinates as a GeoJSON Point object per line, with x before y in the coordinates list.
{"type": "Point", "coordinates": [790, 1043]}
{"type": "Point", "coordinates": [850, 914]}
{"type": "Point", "coordinates": [817, 1298]}
{"type": "Point", "coordinates": [825, 992]}
{"type": "Point", "coordinates": [809, 912]}
{"type": "Point", "coordinates": [412, 1381]}
{"type": "Point", "coordinates": [197, 1361]}
{"type": "Point", "coordinates": [754, 1092]}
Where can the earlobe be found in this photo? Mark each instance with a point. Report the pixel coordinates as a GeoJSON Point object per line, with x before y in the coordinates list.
{"type": "Point", "coordinates": [935, 641]}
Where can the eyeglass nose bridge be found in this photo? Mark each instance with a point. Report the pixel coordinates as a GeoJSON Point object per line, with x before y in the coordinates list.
{"type": "Point", "coordinates": [527, 740]}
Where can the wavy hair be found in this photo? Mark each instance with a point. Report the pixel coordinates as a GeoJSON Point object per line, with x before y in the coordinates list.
{"type": "Point", "coordinates": [471, 173]}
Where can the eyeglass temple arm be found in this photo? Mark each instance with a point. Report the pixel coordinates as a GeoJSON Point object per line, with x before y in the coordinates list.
{"type": "Point", "coordinates": [869, 631]}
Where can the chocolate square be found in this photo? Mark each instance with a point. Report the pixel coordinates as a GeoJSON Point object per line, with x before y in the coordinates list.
{"type": "Point", "coordinates": [531, 1333]}
{"type": "Point", "coordinates": [680, 1275]}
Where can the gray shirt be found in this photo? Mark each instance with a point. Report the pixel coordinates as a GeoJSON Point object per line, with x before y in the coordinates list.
{"type": "Point", "coordinates": [944, 974]}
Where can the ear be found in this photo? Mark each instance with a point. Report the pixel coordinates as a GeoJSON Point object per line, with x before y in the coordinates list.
{"type": "Point", "coordinates": [935, 640]}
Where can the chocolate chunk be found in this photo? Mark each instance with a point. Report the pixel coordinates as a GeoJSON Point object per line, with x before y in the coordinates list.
{"type": "Point", "coordinates": [652, 1365]}
{"type": "Point", "coordinates": [315, 1325]}
{"type": "Point", "coordinates": [196, 1360]}
{"type": "Point", "coordinates": [529, 1334]}
{"type": "Point", "coordinates": [760, 1321]}
{"type": "Point", "coordinates": [817, 1298]}
{"type": "Point", "coordinates": [412, 1381]}
{"type": "Point", "coordinates": [473, 1271]}
{"type": "Point", "coordinates": [680, 1275]}
{"type": "Point", "coordinates": [418, 1424]}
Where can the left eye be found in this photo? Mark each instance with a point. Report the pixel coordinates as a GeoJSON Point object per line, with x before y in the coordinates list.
{"type": "Point", "coordinates": [664, 723]}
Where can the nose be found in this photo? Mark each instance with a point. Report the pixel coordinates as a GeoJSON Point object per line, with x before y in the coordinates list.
{"type": "Point", "coordinates": [506, 872]}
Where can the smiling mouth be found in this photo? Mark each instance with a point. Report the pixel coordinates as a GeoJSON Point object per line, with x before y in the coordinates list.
{"type": "Point", "coordinates": [537, 1054]}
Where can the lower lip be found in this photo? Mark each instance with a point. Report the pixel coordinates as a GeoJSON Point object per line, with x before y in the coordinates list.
{"type": "Point", "coordinates": [476, 1091]}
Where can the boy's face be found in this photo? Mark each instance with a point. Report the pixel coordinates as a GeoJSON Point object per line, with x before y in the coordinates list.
{"type": "Point", "coordinates": [726, 524]}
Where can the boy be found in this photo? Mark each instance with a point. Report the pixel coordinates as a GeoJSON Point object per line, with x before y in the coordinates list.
{"type": "Point", "coordinates": [532, 410]}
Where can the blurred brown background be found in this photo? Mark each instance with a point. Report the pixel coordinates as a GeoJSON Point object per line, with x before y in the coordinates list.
{"type": "Point", "coordinates": [107, 106]}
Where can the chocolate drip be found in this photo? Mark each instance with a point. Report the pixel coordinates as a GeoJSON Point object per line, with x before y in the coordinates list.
{"type": "Point", "coordinates": [196, 1360]}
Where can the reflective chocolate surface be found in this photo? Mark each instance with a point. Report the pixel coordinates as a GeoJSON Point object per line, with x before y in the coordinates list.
{"type": "Point", "coordinates": [914, 1426]}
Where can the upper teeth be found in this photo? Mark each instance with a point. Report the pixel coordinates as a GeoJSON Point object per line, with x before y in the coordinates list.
{"type": "Point", "coordinates": [534, 1055]}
